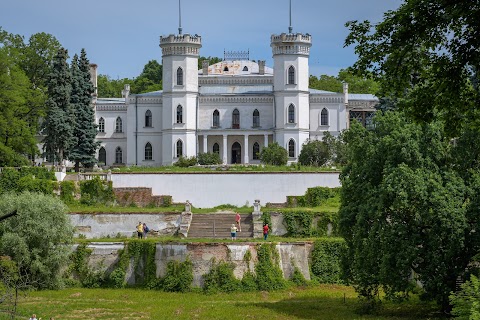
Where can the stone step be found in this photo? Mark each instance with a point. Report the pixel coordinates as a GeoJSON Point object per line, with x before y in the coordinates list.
{"type": "Point", "coordinates": [217, 225]}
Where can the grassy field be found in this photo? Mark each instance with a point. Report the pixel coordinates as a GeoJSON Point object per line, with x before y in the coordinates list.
{"type": "Point", "coordinates": [319, 302]}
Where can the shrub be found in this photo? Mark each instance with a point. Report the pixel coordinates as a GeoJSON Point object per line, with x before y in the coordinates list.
{"type": "Point", "coordinates": [185, 162]}
{"type": "Point", "coordinates": [209, 158]}
{"type": "Point", "coordinates": [466, 302]}
{"type": "Point", "coordinates": [249, 281]}
{"type": "Point", "coordinates": [67, 191]}
{"type": "Point", "coordinates": [96, 191]}
{"type": "Point", "coordinates": [221, 278]}
{"type": "Point", "coordinates": [274, 154]}
{"type": "Point", "coordinates": [179, 276]}
{"type": "Point", "coordinates": [314, 153]}
{"type": "Point", "coordinates": [298, 278]}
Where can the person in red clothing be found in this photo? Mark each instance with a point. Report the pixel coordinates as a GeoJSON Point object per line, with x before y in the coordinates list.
{"type": "Point", "coordinates": [265, 231]}
{"type": "Point", "coordinates": [237, 221]}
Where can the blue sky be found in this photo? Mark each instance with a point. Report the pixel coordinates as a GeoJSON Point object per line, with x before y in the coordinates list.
{"type": "Point", "coordinates": [121, 36]}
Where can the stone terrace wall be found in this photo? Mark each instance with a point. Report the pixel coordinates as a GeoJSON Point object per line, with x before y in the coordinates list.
{"type": "Point", "coordinates": [98, 225]}
{"type": "Point", "coordinates": [207, 190]}
{"type": "Point", "coordinates": [105, 255]}
{"type": "Point", "coordinates": [140, 196]}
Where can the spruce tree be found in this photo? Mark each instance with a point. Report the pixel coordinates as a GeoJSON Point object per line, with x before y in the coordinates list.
{"type": "Point", "coordinates": [57, 126]}
{"type": "Point", "coordinates": [84, 144]}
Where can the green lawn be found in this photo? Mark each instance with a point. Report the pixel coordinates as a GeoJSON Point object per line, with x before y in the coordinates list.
{"type": "Point", "coordinates": [320, 302]}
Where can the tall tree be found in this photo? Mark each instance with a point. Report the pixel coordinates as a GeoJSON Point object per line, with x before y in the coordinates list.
{"type": "Point", "coordinates": [405, 210]}
{"type": "Point", "coordinates": [58, 129]}
{"type": "Point", "coordinates": [425, 54]}
{"type": "Point", "coordinates": [16, 135]}
{"type": "Point", "coordinates": [84, 145]}
{"type": "Point", "coordinates": [356, 83]}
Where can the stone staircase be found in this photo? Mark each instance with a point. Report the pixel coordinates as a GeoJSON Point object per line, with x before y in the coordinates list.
{"type": "Point", "coordinates": [217, 225]}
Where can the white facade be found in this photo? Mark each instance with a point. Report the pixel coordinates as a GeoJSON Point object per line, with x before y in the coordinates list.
{"type": "Point", "coordinates": [235, 107]}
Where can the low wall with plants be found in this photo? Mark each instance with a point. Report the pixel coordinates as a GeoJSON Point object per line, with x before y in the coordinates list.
{"type": "Point", "coordinates": [211, 266]}
{"type": "Point", "coordinates": [121, 225]}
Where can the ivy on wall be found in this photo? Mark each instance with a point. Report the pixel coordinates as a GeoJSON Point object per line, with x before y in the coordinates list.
{"type": "Point", "coordinates": [301, 223]}
{"type": "Point", "coordinates": [325, 264]}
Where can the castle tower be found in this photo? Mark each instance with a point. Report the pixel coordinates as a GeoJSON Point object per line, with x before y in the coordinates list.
{"type": "Point", "coordinates": [180, 95]}
{"type": "Point", "coordinates": [290, 85]}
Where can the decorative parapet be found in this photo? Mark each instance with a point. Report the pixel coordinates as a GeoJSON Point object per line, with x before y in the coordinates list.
{"type": "Point", "coordinates": [235, 99]}
{"type": "Point", "coordinates": [120, 107]}
{"type": "Point", "coordinates": [291, 44]}
{"type": "Point", "coordinates": [185, 221]}
{"type": "Point", "coordinates": [183, 44]}
{"type": "Point", "coordinates": [326, 99]}
{"type": "Point", "coordinates": [234, 80]}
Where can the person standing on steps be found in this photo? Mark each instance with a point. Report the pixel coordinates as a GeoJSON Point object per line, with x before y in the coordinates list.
{"type": "Point", "coordinates": [233, 232]}
{"type": "Point", "coordinates": [265, 231]}
{"type": "Point", "coordinates": [140, 230]}
{"type": "Point", "coordinates": [145, 230]}
{"type": "Point", "coordinates": [237, 221]}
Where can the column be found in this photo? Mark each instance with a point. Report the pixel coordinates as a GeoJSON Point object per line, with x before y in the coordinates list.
{"type": "Point", "coordinates": [265, 141]}
{"type": "Point", "coordinates": [205, 143]}
{"type": "Point", "coordinates": [224, 149]}
{"type": "Point", "coordinates": [245, 146]}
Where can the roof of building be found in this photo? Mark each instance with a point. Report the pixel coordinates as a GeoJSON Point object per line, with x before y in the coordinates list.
{"type": "Point", "coordinates": [110, 100]}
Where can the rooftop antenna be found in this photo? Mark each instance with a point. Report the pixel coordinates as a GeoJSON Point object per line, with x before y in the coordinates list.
{"type": "Point", "coordinates": [179, 17]}
{"type": "Point", "coordinates": [290, 27]}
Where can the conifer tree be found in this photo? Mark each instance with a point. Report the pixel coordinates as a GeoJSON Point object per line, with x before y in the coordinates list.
{"type": "Point", "coordinates": [58, 128]}
{"type": "Point", "coordinates": [84, 132]}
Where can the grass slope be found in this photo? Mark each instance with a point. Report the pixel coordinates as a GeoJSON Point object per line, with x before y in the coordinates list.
{"type": "Point", "coordinates": [319, 302]}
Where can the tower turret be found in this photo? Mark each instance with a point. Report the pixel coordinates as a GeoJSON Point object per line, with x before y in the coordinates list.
{"type": "Point", "coordinates": [290, 85]}
{"type": "Point", "coordinates": [180, 92]}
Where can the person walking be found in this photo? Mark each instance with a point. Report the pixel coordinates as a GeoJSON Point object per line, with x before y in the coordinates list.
{"type": "Point", "coordinates": [233, 232]}
{"type": "Point", "coordinates": [34, 317]}
{"type": "Point", "coordinates": [145, 230]}
{"type": "Point", "coordinates": [237, 221]}
{"type": "Point", "coordinates": [265, 231]}
{"type": "Point", "coordinates": [140, 230]}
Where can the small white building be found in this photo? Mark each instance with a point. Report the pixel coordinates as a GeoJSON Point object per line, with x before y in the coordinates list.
{"type": "Point", "coordinates": [234, 107]}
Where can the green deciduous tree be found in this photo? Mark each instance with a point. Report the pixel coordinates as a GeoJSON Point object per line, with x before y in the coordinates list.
{"type": "Point", "coordinates": [84, 145]}
{"type": "Point", "coordinates": [405, 210]}
{"type": "Point", "coordinates": [274, 154]}
{"type": "Point", "coordinates": [58, 129]}
{"type": "Point", "coordinates": [424, 54]}
{"type": "Point", "coordinates": [466, 302]}
{"type": "Point", "coordinates": [314, 153]}
{"type": "Point", "coordinates": [356, 83]}
{"type": "Point", "coordinates": [38, 238]}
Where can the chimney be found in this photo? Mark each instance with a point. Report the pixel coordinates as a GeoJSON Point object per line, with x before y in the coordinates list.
{"type": "Point", "coordinates": [126, 92]}
{"type": "Point", "coordinates": [261, 67]}
{"type": "Point", "coordinates": [345, 92]}
{"type": "Point", "coordinates": [93, 79]}
{"type": "Point", "coordinates": [205, 67]}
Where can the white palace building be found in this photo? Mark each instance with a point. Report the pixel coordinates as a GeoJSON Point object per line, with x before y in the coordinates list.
{"type": "Point", "coordinates": [234, 107]}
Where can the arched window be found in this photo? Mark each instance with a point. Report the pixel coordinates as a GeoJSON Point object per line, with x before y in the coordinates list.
{"type": "Point", "coordinates": [216, 119]}
{"type": "Point", "coordinates": [256, 118]}
{"type": "Point", "coordinates": [148, 151]}
{"type": "Point", "coordinates": [179, 114]}
{"type": "Point", "coordinates": [236, 119]}
{"type": "Point", "coordinates": [225, 69]}
{"type": "Point", "coordinates": [324, 117]}
{"type": "Point", "coordinates": [148, 119]}
{"type": "Point", "coordinates": [179, 148]}
{"type": "Point", "coordinates": [256, 151]}
{"type": "Point", "coordinates": [216, 148]}
{"type": "Point", "coordinates": [101, 125]}
{"type": "Point", "coordinates": [118, 155]}
{"type": "Point", "coordinates": [179, 76]}
{"type": "Point", "coordinates": [118, 125]}
{"type": "Point", "coordinates": [102, 155]}
{"type": "Point", "coordinates": [291, 75]}
{"type": "Point", "coordinates": [291, 148]}
{"type": "Point", "coordinates": [245, 68]}
{"type": "Point", "coordinates": [291, 113]}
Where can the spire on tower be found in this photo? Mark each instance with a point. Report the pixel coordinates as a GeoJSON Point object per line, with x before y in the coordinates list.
{"type": "Point", "coordinates": [290, 27]}
{"type": "Point", "coordinates": [179, 17]}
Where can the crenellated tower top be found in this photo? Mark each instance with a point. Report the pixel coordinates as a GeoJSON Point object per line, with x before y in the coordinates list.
{"type": "Point", "coordinates": [291, 43]}
{"type": "Point", "coordinates": [181, 44]}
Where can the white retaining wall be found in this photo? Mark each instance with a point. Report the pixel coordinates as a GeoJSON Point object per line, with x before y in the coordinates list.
{"type": "Point", "coordinates": [207, 190]}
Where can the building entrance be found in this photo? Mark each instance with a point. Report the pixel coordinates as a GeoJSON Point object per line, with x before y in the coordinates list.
{"type": "Point", "coordinates": [236, 153]}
